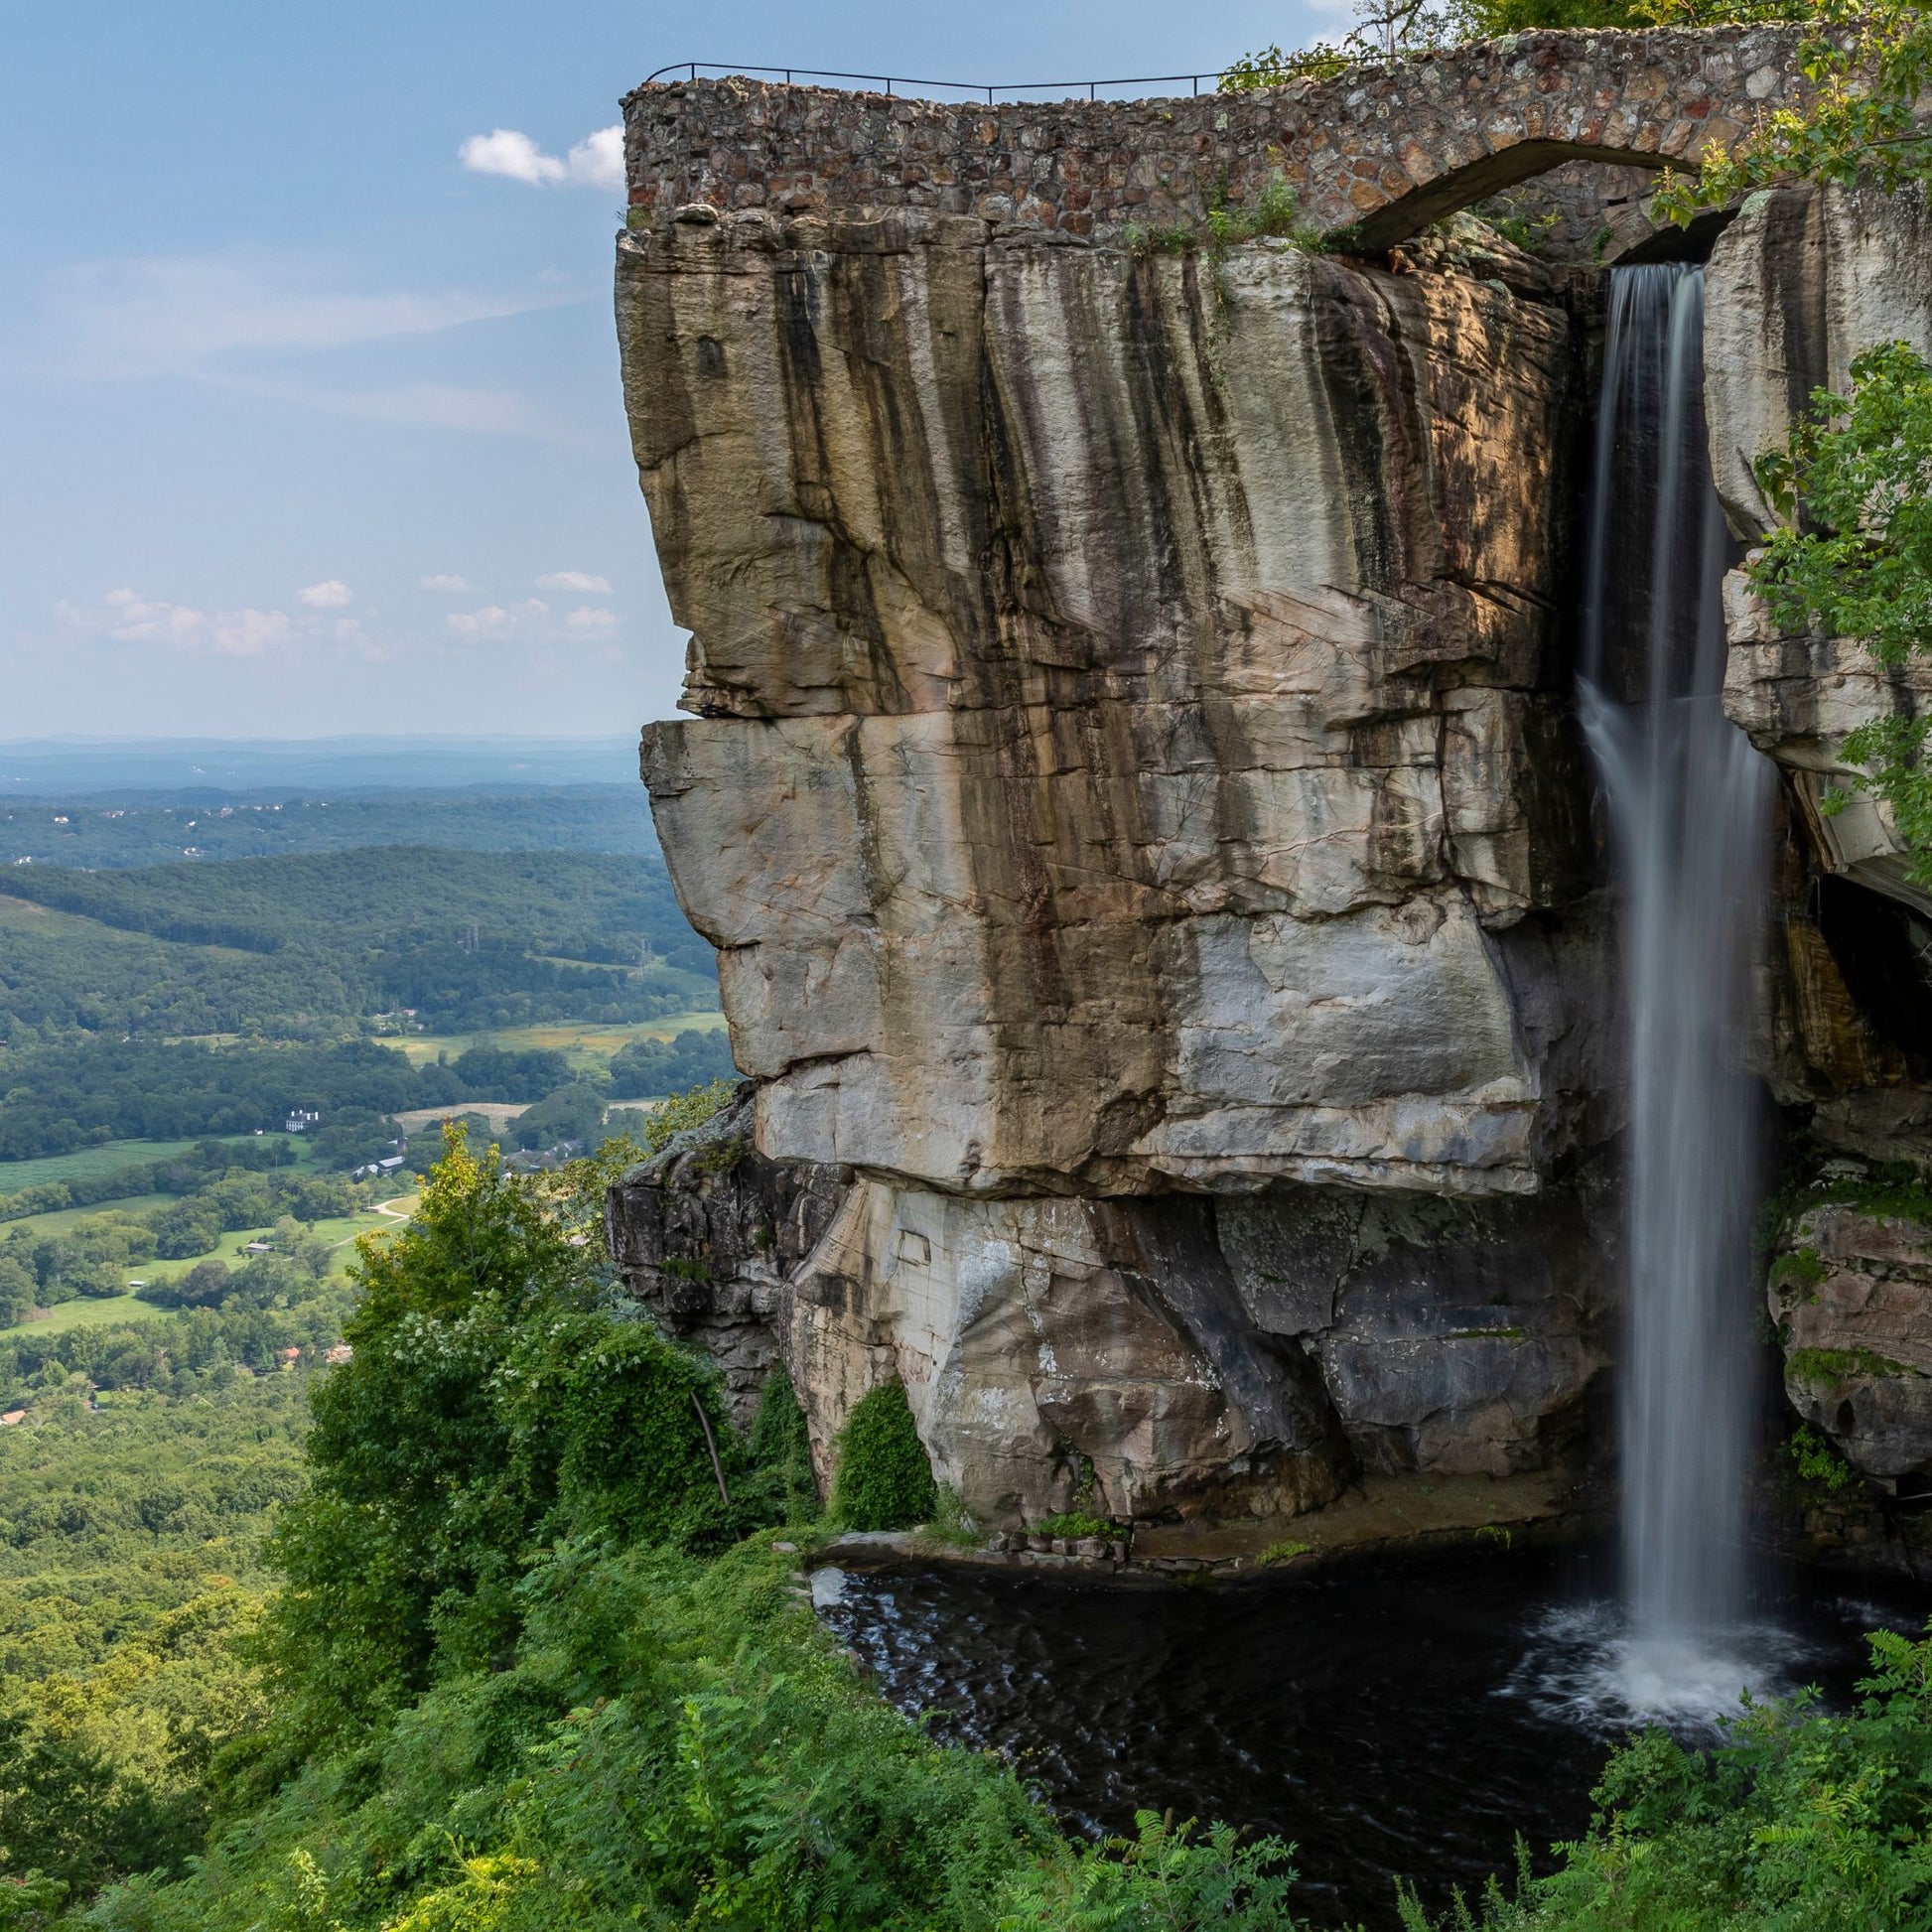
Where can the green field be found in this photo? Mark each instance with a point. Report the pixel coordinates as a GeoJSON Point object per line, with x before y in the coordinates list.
{"type": "Point", "coordinates": [58, 1220]}
{"type": "Point", "coordinates": [84, 1163]}
{"type": "Point", "coordinates": [88, 1314]}
{"type": "Point", "coordinates": [339, 1231]}
{"type": "Point", "coordinates": [585, 1045]}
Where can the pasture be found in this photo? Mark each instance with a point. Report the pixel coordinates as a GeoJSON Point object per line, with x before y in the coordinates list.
{"type": "Point", "coordinates": [585, 1045]}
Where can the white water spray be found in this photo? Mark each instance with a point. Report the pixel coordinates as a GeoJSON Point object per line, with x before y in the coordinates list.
{"type": "Point", "coordinates": [1690, 804]}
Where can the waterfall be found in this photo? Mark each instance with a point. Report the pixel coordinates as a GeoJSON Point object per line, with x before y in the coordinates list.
{"type": "Point", "coordinates": [1689, 806]}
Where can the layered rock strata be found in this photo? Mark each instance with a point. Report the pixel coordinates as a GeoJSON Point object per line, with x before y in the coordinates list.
{"type": "Point", "coordinates": [1137, 805]}
{"type": "Point", "coordinates": [1802, 282]}
{"type": "Point", "coordinates": [1851, 1294]}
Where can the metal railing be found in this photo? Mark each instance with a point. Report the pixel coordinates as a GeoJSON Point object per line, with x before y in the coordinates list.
{"type": "Point", "coordinates": [1065, 90]}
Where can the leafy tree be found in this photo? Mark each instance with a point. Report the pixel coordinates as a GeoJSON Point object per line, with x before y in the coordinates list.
{"type": "Point", "coordinates": [572, 1114]}
{"type": "Point", "coordinates": [647, 1067]}
{"type": "Point", "coordinates": [489, 1401]}
{"type": "Point", "coordinates": [19, 1290]}
{"type": "Point", "coordinates": [683, 1112]}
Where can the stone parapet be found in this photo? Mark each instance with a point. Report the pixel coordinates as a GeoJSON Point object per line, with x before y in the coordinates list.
{"type": "Point", "coordinates": [1383, 148]}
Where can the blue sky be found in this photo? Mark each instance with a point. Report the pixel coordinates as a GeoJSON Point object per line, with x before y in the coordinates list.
{"type": "Point", "coordinates": [310, 428]}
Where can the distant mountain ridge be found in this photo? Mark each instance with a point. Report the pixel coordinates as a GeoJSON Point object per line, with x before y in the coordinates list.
{"type": "Point", "coordinates": [283, 767]}
{"type": "Point", "coordinates": [116, 831]}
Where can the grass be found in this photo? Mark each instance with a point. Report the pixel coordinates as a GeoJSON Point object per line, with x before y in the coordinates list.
{"type": "Point", "coordinates": [88, 1314]}
{"type": "Point", "coordinates": [86, 1162]}
{"type": "Point", "coordinates": [1285, 1551]}
{"type": "Point", "coordinates": [58, 1220]}
{"type": "Point", "coordinates": [585, 1044]}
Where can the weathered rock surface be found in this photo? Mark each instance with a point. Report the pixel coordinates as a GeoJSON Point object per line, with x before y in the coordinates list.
{"type": "Point", "coordinates": [1151, 1357]}
{"type": "Point", "coordinates": [1132, 758]}
{"type": "Point", "coordinates": [705, 1235]}
{"type": "Point", "coordinates": [1852, 1297]}
{"type": "Point", "coordinates": [1135, 800]}
{"type": "Point", "coordinates": [1803, 281]}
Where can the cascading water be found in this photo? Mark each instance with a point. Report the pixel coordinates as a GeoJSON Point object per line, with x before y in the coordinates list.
{"type": "Point", "coordinates": [1690, 804]}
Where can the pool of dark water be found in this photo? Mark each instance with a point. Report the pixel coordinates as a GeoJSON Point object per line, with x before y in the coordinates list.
{"type": "Point", "coordinates": [1407, 1719]}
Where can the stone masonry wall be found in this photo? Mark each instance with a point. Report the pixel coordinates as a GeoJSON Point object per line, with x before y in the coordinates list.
{"type": "Point", "coordinates": [1385, 147]}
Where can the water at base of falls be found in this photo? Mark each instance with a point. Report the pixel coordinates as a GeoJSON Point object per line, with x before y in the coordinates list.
{"type": "Point", "coordinates": [1408, 1715]}
{"type": "Point", "coordinates": [1689, 806]}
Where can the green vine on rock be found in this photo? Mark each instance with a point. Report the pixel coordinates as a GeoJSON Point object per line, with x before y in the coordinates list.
{"type": "Point", "coordinates": [1852, 556]}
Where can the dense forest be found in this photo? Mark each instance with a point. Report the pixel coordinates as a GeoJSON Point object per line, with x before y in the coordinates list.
{"type": "Point", "coordinates": [130, 1564]}
{"type": "Point", "coordinates": [113, 831]}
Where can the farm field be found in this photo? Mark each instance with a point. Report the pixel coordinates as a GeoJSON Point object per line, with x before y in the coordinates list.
{"type": "Point", "coordinates": [340, 1231]}
{"type": "Point", "coordinates": [586, 1046]}
{"type": "Point", "coordinates": [90, 1313]}
{"type": "Point", "coordinates": [60, 1220]}
{"type": "Point", "coordinates": [86, 1162]}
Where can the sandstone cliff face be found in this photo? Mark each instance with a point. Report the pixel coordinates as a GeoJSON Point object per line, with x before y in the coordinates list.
{"type": "Point", "coordinates": [1852, 1297]}
{"type": "Point", "coordinates": [1136, 802]}
{"type": "Point", "coordinates": [1800, 283]}
{"type": "Point", "coordinates": [1128, 760]}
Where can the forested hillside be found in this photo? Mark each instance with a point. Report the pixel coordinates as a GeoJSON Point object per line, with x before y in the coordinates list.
{"type": "Point", "coordinates": [305, 947]}
{"type": "Point", "coordinates": [130, 1567]}
{"type": "Point", "coordinates": [84, 1093]}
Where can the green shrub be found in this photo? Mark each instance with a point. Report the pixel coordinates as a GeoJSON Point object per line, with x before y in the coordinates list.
{"type": "Point", "coordinates": [1074, 1523]}
{"type": "Point", "coordinates": [1815, 1460]}
{"type": "Point", "coordinates": [1800, 1820]}
{"type": "Point", "coordinates": [684, 1111]}
{"type": "Point", "coordinates": [884, 1481]}
{"type": "Point", "coordinates": [781, 1451]}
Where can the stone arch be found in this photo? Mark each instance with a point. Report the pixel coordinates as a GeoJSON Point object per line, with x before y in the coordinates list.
{"type": "Point", "coordinates": [1384, 151]}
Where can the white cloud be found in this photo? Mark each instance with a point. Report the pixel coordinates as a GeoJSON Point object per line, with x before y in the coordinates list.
{"type": "Point", "coordinates": [596, 161]}
{"type": "Point", "coordinates": [247, 634]}
{"type": "Point", "coordinates": [496, 621]}
{"type": "Point", "coordinates": [590, 621]}
{"type": "Point", "coordinates": [140, 620]}
{"type": "Point", "coordinates": [573, 580]}
{"type": "Point", "coordinates": [329, 595]}
{"type": "Point", "coordinates": [443, 581]}
{"type": "Point", "coordinates": [126, 617]}
{"type": "Point", "coordinates": [504, 150]}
